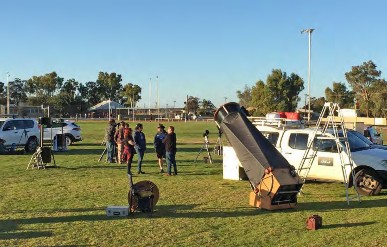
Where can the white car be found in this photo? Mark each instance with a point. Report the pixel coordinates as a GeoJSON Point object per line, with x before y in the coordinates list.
{"type": "Point", "coordinates": [20, 133]}
{"type": "Point", "coordinates": [68, 128]}
{"type": "Point", "coordinates": [370, 164]}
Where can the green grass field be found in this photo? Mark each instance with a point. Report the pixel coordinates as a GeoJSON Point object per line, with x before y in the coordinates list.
{"type": "Point", "coordinates": [65, 206]}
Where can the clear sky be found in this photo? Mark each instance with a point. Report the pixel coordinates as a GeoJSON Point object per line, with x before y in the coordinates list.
{"type": "Point", "coordinates": [204, 48]}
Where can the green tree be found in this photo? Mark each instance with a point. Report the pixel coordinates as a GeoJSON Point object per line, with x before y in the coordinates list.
{"type": "Point", "coordinates": [109, 86]}
{"type": "Point", "coordinates": [339, 94]}
{"type": "Point", "coordinates": [284, 90]}
{"type": "Point", "coordinates": [206, 107]}
{"type": "Point", "coordinates": [260, 99]}
{"type": "Point", "coordinates": [92, 93]}
{"type": "Point", "coordinates": [3, 99]}
{"type": "Point", "coordinates": [132, 93]}
{"type": "Point", "coordinates": [17, 92]}
{"type": "Point", "coordinates": [317, 104]}
{"type": "Point", "coordinates": [378, 99]}
{"type": "Point", "coordinates": [42, 88]}
{"type": "Point", "coordinates": [362, 78]}
{"type": "Point", "coordinates": [192, 104]}
{"type": "Point", "coordinates": [65, 102]}
{"type": "Point", "coordinates": [244, 96]}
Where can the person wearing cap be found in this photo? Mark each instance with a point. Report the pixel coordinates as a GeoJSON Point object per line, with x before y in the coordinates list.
{"type": "Point", "coordinates": [139, 139]}
{"type": "Point", "coordinates": [159, 145]}
{"type": "Point", "coordinates": [109, 140]}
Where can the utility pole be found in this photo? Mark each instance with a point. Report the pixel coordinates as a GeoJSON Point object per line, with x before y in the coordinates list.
{"type": "Point", "coordinates": [8, 112]}
{"type": "Point", "coordinates": [309, 31]}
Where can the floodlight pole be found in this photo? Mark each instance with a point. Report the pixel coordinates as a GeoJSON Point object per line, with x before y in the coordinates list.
{"type": "Point", "coordinates": [309, 31]}
{"type": "Point", "coordinates": [8, 112]}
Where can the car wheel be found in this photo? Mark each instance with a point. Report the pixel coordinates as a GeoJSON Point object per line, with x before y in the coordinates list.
{"type": "Point", "coordinates": [69, 141]}
{"type": "Point", "coordinates": [31, 145]}
{"type": "Point", "coordinates": [368, 182]}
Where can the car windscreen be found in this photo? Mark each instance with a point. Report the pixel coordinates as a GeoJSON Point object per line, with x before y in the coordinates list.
{"type": "Point", "coordinates": [355, 143]}
{"type": "Point", "coordinates": [360, 136]}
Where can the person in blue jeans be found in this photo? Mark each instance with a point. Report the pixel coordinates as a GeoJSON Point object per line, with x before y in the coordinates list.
{"type": "Point", "coordinates": [109, 140]}
{"type": "Point", "coordinates": [139, 139]}
{"type": "Point", "coordinates": [170, 151]}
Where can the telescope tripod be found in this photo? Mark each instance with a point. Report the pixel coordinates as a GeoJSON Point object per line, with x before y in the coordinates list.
{"type": "Point", "coordinates": [205, 147]}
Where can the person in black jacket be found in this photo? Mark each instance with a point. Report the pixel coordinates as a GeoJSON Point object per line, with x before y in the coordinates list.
{"type": "Point", "coordinates": [139, 139]}
{"type": "Point", "coordinates": [159, 145]}
{"type": "Point", "coordinates": [170, 151]}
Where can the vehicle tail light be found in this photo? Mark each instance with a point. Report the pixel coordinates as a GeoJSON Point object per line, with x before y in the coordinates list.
{"type": "Point", "coordinates": [77, 129]}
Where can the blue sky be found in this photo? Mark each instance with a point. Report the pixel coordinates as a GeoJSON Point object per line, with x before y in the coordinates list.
{"type": "Point", "coordinates": [204, 48]}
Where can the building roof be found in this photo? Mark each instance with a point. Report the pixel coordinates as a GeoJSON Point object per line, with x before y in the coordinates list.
{"type": "Point", "coordinates": [105, 105]}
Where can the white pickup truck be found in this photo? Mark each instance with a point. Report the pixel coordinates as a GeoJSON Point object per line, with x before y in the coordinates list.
{"type": "Point", "coordinates": [370, 164]}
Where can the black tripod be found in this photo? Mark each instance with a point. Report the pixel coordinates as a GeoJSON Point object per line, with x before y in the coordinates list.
{"type": "Point", "coordinates": [218, 148]}
{"type": "Point", "coordinates": [205, 146]}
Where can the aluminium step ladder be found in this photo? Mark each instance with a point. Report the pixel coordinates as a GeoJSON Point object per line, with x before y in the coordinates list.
{"type": "Point", "coordinates": [321, 132]}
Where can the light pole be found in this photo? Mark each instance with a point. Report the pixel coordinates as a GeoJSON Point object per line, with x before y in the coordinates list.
{"type": "Point", "coordinates": [309, 31]}
{"type": "Point", "coordinates": [225, 99]}
{"type": "Point", "coordinates": [8, 94]}
{"type": "Point", "coordinates": [150, 94]}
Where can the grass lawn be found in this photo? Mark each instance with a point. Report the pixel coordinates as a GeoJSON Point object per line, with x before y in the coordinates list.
{"type": "Point", "coordinates": [65, 206]}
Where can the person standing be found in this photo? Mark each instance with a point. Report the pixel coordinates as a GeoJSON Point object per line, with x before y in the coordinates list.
{"type": "Point", "coordinates": [139, 139]}
{"type": "Point", "coordinates": [109, 140]}
{"type": "Point", "coordinates": [128, 149]}
{"type": "Point", "coordinates": [119, 139]}
{"type": "Point", "coordinates": [159, 145]}
{"type": "Point", "coordinates": [170, 151]}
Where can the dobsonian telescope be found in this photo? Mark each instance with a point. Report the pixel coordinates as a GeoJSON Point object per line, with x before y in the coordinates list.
{"type": "Point", "coordinates": [274, 182]}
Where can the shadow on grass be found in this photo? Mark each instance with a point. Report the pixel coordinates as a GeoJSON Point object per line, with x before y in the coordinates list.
{"type": "Point", "coordinates": [348, 225]}
{"type": "Point", "coordinates": [24, 235]}
{"type": "Point", "coordinates": [339, 205]}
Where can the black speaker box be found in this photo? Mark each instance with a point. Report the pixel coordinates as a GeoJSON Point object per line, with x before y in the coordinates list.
{"type": "Point", "coordinates": [46, 155]}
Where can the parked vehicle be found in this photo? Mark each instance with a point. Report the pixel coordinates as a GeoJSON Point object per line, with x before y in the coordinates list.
{"type": "Point", "coordinates": [372, 134]}
{"type": "Point", "coordinates": [370, 164]}
{"type": "Point", "coordinates": [20, 133]}
{"type": "Point", "coordinates": [68, 128]}
{"type": "Point", "coordinates": [366, 140]}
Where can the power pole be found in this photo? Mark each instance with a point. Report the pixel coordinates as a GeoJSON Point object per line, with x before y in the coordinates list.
{"type": "Point", "coordinates": [309, 31]}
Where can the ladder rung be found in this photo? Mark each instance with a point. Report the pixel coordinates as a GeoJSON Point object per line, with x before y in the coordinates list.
{"type": "Point", "coordinates": [330, 138]}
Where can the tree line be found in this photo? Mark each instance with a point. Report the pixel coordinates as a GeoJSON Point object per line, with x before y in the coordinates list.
{"type": "Point", "coordinates": [367, 92]}
{"type": "Point", "coordinates": [69, 97]}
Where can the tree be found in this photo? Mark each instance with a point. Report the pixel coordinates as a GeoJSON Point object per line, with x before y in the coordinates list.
{"type": "Point", "coordinates": [244, 96]}
{"type": "Point", "coordinates": [92, 93]}
{"type": "Point", "coordinates": [65, 102]}
{"type": "Point", "coordinates": [192, 104]}
{"type": "Point", "coordinates": [317, 104]}
{"type": "Point", "coordinates": [3, 98]}
{"type": "Point", "coordinates": [378, 99]}
{"type": "Point", "coordinates": [206, 107]}
{"type": "Point", "coordinates": [42, 88]}
{"type": "Point", "coordinates": [339, 94]}
{"type": "Point", "coordinates": [109, 86]}
{"type": "Point", "coordinates": [132, 93]}
{"type": "Point", "coordinates": [362, 78]}
{"type": "Point", "coordinates": [260, 99]}
{"type": "Point", "coordinates": [284, 90]}
{"type": "Point", "coordinates": [17, 92]}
